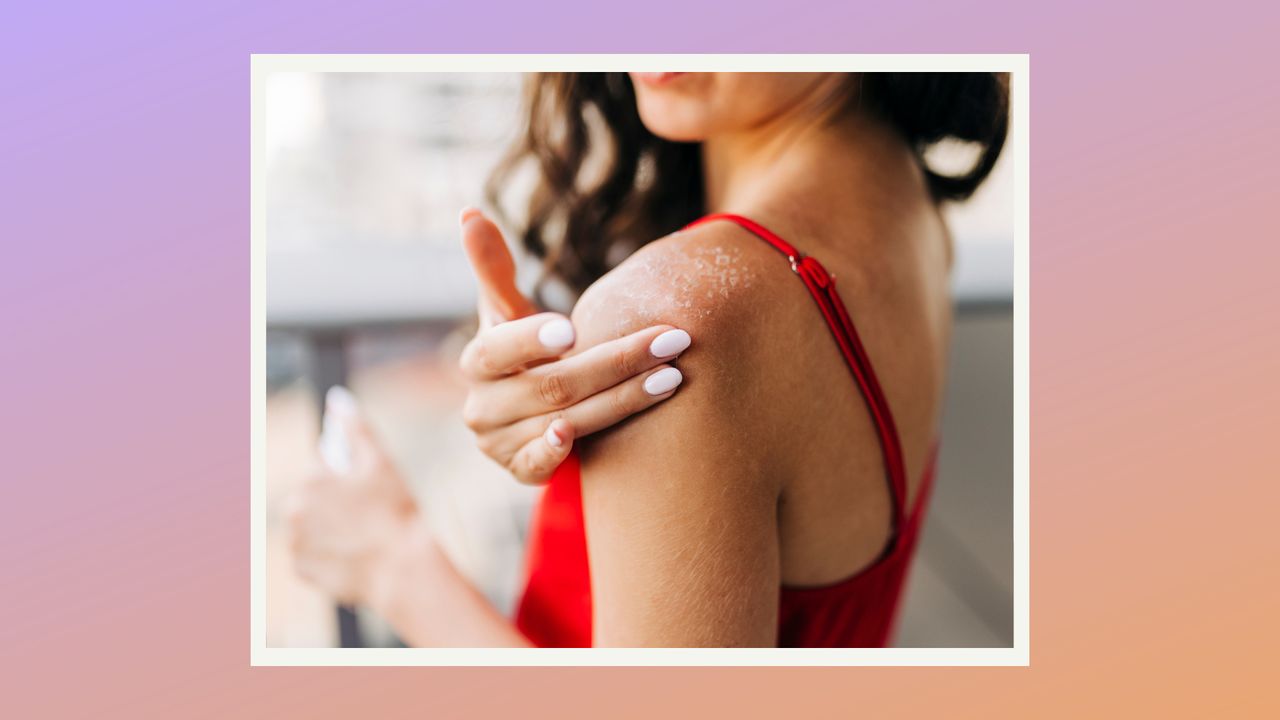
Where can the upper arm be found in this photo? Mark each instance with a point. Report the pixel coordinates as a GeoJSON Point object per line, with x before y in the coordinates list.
{"type": "Point", "coordinates": [680, 503]}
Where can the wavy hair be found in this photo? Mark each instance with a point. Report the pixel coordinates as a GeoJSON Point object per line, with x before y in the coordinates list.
{"type": "Point", "coordinates": [605, 185]}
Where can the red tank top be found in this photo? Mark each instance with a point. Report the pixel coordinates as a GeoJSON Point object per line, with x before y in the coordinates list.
{"type": "Point", "coordinates": [858, 611]}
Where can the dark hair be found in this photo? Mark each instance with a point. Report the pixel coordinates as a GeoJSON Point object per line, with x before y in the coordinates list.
{"type": "Point", "coordinates": [579, 216]}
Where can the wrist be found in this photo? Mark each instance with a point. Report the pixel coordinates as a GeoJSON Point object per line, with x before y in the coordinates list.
{"type": "Point", "coordinates": [402, 567]}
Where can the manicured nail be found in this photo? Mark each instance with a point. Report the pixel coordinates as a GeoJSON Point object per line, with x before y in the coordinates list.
{"type": "Point", "coordinates": [556, 333]}
{"type": "Point", "coordinates": [665, 380]}
{"type": "Point", "coordinates": [466, 214]}
{"type": "Point", "coordinates": [340, 402]}
{"type": "Point", "coordinates": [552, 438]}
{"type": "Point", "coordinates": [669, 344]}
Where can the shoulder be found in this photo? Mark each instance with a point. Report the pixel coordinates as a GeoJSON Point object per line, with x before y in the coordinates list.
{"type": "Point", "coordinates": [680, 501]}
{"type": "Point", "coordinates": [709, 278]}
{"type": "Point", "coordinates": [720, 284]}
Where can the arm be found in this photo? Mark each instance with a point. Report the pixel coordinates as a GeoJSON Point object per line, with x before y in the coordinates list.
{"type": "Point", "coordinates": [681, 502]}
{"type": "Point", "coordinates": [430, 604]}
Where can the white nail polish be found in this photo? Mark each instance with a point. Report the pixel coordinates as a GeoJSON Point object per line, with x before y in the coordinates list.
{"type": "Point", "coordinates": [552, 438]}
{"type": "Point", "coordinates": [556, 333]}
{"type": "Point", "coordinates": [665, 380]}
{"type": "Point", "coordinates": [669, 343]}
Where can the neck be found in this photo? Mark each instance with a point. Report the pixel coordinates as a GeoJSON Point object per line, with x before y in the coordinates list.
{"type": "Point", "coordinates": [741, 168]}
{"type": "Point", "coordinates": [818, 163]}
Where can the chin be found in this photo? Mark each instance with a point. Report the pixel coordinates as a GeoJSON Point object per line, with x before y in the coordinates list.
{"type": "Point", "coordinates": [675, 132]}
{"type": "Point", "coordinates": [672, 123]}
{"type": "Point", "coordinates": [672, 108]}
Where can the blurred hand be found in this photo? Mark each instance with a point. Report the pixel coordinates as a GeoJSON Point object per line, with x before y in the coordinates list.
{"type": "Point", "coordinates": [527, 402]}
{"type": "Point", "coordinates": [346, 524]}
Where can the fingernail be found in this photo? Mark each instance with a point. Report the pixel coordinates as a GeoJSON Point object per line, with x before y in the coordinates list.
{"type": "Point", "coordinates": [556, 333]}
{"type": "Point", "coordinates": [665, 380]}
{"type": "Point", "coordinates": [669, 343]}
{"type": "Point", "coordinates": [340, 401]}
{"type": "Point", "coordinates": [466, 214]}
{"type": "Point", "coordinates": [552, 438]}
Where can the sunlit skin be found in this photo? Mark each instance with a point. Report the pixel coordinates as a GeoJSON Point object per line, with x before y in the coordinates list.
{"type": "Point", "coordinates": [762, 468]}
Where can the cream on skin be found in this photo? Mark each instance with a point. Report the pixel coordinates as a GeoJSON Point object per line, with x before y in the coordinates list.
{"type": "Point", "coordinates": [687, 281]}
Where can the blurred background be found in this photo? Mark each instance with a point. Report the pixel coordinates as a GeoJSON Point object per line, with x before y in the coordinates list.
{"type": "Point", "coordinates": [367, 285]}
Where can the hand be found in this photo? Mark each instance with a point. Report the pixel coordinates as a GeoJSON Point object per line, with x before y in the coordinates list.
{"type": "Point", "coordinates": [526, 402]}
{"type": "Point", "coordinates": [346, 525]}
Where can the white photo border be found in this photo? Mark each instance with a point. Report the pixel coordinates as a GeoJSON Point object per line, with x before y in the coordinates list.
{"type": "Point", "coordinates": [1019, 143]}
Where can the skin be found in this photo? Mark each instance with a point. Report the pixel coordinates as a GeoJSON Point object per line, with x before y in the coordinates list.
{"type": "Point", "coordinates": [764, 470]}
{"type": "Point", "coordinates": [526, 403]}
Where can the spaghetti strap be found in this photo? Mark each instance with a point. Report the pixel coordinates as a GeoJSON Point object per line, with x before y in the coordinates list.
{"type": "Point", "coordinates": [822, 286]}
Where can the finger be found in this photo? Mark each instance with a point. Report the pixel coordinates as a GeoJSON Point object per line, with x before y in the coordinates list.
{"type": "Point", "coordinates": [486, 313]}
{"type": "Point", "coordinates": [534, 463]}
{"type": "Point", "coordinates": [561, 383]}
{"type": "Point", "coordinates": [620, 402]}
{"type": "Point", "coordinates": [597, 412]}
{"type": "Point", "coordinates": [493, 266]}
{"type": "Point", "coordinates": [505, 348]}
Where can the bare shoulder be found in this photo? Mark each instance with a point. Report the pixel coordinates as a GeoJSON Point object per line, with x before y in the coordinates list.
{"type": "Point", "coordinates": [728, 290]}
{"type": "Point", "coordinates": [722, 286]}
{"type": "Point", "coordinates": [680, 501]}
{"type": "Point", "coordinates": [711, 278]}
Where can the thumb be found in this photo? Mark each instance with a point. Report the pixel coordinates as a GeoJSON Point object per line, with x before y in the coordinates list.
{"type": "Point", "coordinates": [493, 266]}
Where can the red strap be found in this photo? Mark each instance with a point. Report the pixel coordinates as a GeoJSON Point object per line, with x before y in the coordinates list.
{"type": "Point", "coordinates": [822, 286]}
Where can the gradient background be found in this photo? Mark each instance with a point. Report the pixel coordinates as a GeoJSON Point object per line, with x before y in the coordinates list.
{"type": "Point", "coordinates": [124, 166]}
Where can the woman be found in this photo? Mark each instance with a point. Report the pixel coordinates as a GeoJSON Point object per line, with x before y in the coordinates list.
{"type": "Point", "coordinates": [776, 498]}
